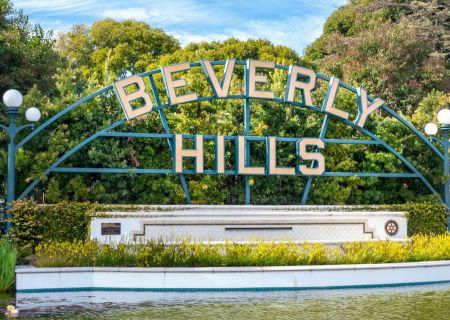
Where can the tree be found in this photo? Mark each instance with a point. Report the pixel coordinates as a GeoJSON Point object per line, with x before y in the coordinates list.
{"type": "Point", "coordinates": [27, 60]}
{"type": "Point", "coordinates": [26, 51]}
{"type": "Point", "coordinates": [112, 49]}
{"type": "Point", "coordinates": [397, 50]}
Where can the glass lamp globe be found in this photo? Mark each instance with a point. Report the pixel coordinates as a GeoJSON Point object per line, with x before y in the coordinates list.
{"type": "Point", "coordinates": [431, 129]}
{"type": "Point", "coordinates": [33, 114]}
{"type": "Point", "coordinates": [444, 116]}
{"type": "Point", "coordinates": [12, 98]}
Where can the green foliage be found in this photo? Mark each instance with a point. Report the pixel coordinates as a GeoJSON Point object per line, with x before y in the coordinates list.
{"type": "Point", "coordinates": [110, 49]}
{"type": "Point", "coordinates": [26, 51]}
{"type": "Point", "coordinates": [425, 218]}
{"type": "Point", "coordinates": [8, 257]}
{"type": "Point", "coordinates": [156, 253]}
{"type": "Point", "coordinates": [34, 223]}
{"type": "Point", "coordinates": [429, 107]}
{"type": "Point", "coordinates": [396, 50]}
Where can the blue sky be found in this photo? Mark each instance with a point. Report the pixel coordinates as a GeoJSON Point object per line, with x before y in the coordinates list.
{"type": "Point", "coordinates": [294, 23]}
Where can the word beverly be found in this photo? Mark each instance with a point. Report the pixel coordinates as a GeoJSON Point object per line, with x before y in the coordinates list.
{"type": "Point", "coordinates": [305, 84]}
{"type": "Point", "coordinates": [299, 78]}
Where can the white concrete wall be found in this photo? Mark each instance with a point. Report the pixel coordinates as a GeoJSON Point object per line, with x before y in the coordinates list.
{"type": "Point", "coordinates": [231, 278]}
{"type": "Point", "coordinates": [210, 223]}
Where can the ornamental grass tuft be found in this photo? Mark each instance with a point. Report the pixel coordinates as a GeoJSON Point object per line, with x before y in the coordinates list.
{"type": "Point", "coordinates": [186, 253]}
{"type": "Point", "coordinates": [8, 258]}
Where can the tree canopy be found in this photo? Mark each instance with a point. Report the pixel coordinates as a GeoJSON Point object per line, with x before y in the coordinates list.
{"type": "Point", "coordinates": [398, 51]}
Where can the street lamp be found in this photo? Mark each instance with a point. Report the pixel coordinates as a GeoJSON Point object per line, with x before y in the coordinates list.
{"type": "Point", "coordinates": [12, 100]}
{"type": "Point", "coordinates": [432, 129]}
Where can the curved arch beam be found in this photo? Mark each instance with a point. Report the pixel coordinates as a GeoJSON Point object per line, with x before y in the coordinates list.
{"type": "Point", "coordinates": [68, 154]}
{"type": "Point", "coordinates": [403, 160]}
{"type": "Point", "coordinates": [59, 115]}
{"type": "Point", "coordinates": [396, 116]}
{"type": "Point", "coordinates": [200, 99]}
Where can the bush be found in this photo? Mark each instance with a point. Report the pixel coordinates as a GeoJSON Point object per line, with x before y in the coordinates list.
{"type": "Point", "coordinates": [8, 257]}
{"type": "Point", "coordinates": [189, 254]}
{"type": "Point", "coordinates": [35, 223]}
{"type": "Point", "coordinates": [425, 218]}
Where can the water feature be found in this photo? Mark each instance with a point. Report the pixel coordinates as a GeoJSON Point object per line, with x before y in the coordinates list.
{"type": "Point", "coordinates": [411, 302]}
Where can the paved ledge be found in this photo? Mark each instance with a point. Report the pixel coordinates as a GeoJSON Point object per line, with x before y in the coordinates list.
{"type": "Point", "coordinates": [31, 279]}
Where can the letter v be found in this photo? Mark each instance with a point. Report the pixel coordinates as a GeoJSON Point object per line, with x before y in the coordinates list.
{"type": "Point", "coordinates": [220, 90]}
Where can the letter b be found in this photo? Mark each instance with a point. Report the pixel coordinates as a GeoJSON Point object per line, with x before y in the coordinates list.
{"type": "Point", "coordinates": [125, 98]}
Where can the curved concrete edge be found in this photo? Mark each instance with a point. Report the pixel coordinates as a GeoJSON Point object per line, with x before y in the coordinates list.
{"type": "Point", "coordinates": [31, 279]}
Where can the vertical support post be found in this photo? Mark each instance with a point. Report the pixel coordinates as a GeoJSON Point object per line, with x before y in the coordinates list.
{"type": "Point", "coordinates": [247, 148]}
{"type": "Point", "coordinates": [11, 176]}
{"type": "Point", "coordinates": [163, 119]}
{"type": "Point", "coordinates": [247, 132]}
{"type": "Point", "coordinates": [446, 174]}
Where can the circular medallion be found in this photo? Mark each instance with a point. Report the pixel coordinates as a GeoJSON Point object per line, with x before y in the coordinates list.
{"type": "Point", "coordinates": [391, 227]}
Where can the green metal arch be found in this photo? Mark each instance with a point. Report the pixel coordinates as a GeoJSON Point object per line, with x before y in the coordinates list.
{"type": "Point", "coordinates": [160, 108]}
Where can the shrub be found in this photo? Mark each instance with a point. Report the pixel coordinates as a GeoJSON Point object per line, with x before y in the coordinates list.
{"type": "Point", "coordinates": [8, 257]}
{"type": "Point", "coordinates": [425, 218]}
{"type": "Point", "coordinates": [186, 253]}
{"type": "Point", "coordinates": [35, 223]}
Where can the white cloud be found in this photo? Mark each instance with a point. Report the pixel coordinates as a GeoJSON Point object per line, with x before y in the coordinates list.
{"type": "Point", "coordinates": [186, 37]}
{"type": "Point", "coordinates": [127, 13]}
{"type": "Point", "coordinates": [56, 6]}
{"type": "Point", "coordinates": [294, 23]}
{"type": "Point", "coordinates": [293, 32]}
{"type": "Point", "coordinates": [170, 13]}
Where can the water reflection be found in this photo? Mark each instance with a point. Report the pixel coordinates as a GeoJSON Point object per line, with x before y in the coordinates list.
{"type": "Point", "coordinates": [419, 302]}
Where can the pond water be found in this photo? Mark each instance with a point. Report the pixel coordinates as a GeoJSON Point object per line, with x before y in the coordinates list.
{"type": "Point", "coordinates": [416, 302]}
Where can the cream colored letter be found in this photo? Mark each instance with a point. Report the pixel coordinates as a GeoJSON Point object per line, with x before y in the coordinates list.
{"type": "Point", "coordinates": [255, 78]}
{"type": "Point", "coordinates": [172, 84]}
{"type": "Point", "coordinates": [333, 87]}
{"type": "Point", "coordinates": [242, 169]}
{"type": "Point", "coordinates": [363, 109]}
{"type": "Point", "coordinates": [196, 153]}
{"type": "Point", "coordinates": [220, 154]}
{"type": "Point", "coordinates": [221, 90]}
{"type": "Point", "coordinates": [318, 158]}
{"type": "Point", "coordinates": [125, 98]}
{"type": "Point", "coordinates": [273, 169]}
{"type": "Point", "coordinates": [294, 83]}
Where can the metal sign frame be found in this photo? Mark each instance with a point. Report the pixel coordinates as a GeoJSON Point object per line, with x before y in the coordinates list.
{"type": "Point", "coordinates": [160, 107]}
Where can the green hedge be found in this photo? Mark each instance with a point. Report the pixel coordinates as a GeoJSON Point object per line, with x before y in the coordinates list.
{"type": "Point", "coordinates": [34, 224]}
{"type": "Point", "coordinates": [425, 218]}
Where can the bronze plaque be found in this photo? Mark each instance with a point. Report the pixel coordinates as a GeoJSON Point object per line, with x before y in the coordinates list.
{"type": "Point", "coordinates": [110, 229]}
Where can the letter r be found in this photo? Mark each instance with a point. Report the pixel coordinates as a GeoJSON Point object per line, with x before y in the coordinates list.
{"type": "Point", "coordinates": [125, 99]}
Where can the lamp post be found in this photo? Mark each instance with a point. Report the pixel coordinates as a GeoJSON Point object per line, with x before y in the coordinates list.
{"type": "Point", "coordinates": [12, 100]}
{"type": "Point", "coordinates": [432, 129]}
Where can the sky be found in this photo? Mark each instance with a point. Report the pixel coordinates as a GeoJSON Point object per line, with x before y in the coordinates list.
{"type": "Point", "coordinates": [293, 23]}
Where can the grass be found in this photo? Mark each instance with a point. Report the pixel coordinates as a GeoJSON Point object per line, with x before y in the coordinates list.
{"type": "Point", "coordinates": [8, 258]}
{"type": "Point", "coordinates": [189, 254]}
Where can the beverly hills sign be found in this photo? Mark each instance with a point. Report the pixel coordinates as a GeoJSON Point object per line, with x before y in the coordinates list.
{"type": "Point", "coordinates": [299, 79]}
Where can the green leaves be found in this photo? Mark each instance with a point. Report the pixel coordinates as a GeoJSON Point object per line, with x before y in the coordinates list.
{"type": "Point", "coordinates": [8, 257]}
{"type": "Point", "coordinates": [35, 223]}
{"type": "Point", "coordinates": [396, 52]}
{"type": "Point", "coordinates": [112, 49]}
{"type": "Point", "coordinates": [26, 51]}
